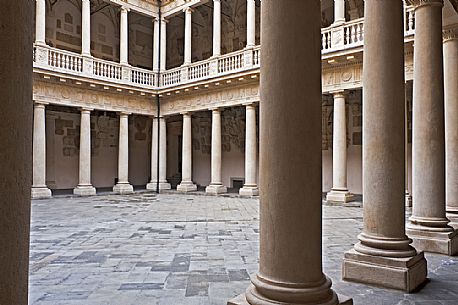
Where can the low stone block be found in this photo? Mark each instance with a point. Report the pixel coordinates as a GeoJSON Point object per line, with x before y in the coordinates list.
{"type": "Point", "coordinates": [436, 242]}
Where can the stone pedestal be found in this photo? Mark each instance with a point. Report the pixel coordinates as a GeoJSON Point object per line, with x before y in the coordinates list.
{"type": "Point", "coordinates": [186, 184]}
{"type": "Point", "coordinates": [337, 196]}
{"type": "Point", "coordinates": [123, 188]}
{"type": "Point", "coordinates": [428, 226]}
{"type": "Point", "coordinates": [290, 263]}
{"type": "Point", "coordinates": [216, 186]}
{"type": "Point", "coordinates": [384, 255]}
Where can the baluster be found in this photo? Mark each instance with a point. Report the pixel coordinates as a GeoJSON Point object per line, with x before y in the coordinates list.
{"type": "Point", "coordinates": [411, 20]}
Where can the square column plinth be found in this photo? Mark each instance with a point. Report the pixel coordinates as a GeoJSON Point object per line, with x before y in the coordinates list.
{"type": "Point", "coordinates": [396, 273]}
{"type": "Point", "coordinates": [186, 187]}
{"type": "Point", "coordinates": [436, 242]}
{"type": "Point", "coordinates": [163, 186]}
{"type": "Point", "coordinates": [84, 190]}
{"type": "Point", "coordinates": [453, 217]}
{"type": "Point", "coordinates": [123, 188]}
{"type": "Point", "coordinates": [248, 191]}
{"type": "Point", "coordinates": [337, 196]}
{"type": "Point", "coordinates": [41, 192]}
{"type": "Point", "coordinates": [241, 300]}
{"type": "Point", "coordinates": [216, 189]}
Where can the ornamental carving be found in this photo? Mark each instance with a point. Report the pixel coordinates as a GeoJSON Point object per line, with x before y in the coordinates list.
{"type": "Point", "coordinates": [418, 3]}
{"type": "Point", "coordinates": [450, 34]}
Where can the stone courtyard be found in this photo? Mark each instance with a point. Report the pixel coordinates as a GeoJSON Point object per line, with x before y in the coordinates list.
{"type": "Point", "coordinates": [148, 249]}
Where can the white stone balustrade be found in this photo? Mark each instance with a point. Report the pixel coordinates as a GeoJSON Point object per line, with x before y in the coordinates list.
{"type": "Point", "coordinates": [345, 36]}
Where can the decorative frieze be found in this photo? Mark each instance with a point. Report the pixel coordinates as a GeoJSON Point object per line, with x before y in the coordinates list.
{"type": "Point", "coordinates": [73, 96]}
{"type": "Point", "coordinates": [419, 3]}
{"type": "Point", "coordinates": [450, 34]}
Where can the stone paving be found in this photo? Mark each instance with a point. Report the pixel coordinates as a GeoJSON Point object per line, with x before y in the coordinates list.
{"type": "Point", "coordinates": [175, 249]}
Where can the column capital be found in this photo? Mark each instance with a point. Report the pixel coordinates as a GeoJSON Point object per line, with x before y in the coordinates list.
{"type": "Point", "coordinates": [124, 113]}
{"type": "Point", "coordinates": [188, 10]}
{"type": "Point", "coordinates": [338, 93]}
{"type": "Point", "coordinates": [250, 104]}
{"type": "Point", "coordinates": [40, 104]}
{"type": "Point", "coordinates": [420, 3]}
{"type": "Point", "coordinates": [124, 9]}
{"type": "Point", "coordinates": [87, 1]}
{"type": "Point", "coordinates": [450, 33]}
{"type": "Point", "coordinates": [215, 109]}
{"type": "Point", "coordinates": [216, 0]}
{"type": "Point", "coordinates": [186, 113]}
{"type": "Point", "coordinates": [85, 109]}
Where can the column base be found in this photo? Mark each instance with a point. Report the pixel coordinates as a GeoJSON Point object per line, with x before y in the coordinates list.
{"type": "Point", "coordinates": [453, 217]}
{"type": "Point", "coordinates": [186, 187]}
{"type": "Point", "coordinates": [433, 241]}
{"type": "Point", "coordinates": [249, 191]}
{"type": "Point", "coordinates": [123, 188]}
{"type": "Point", "coordinates": [41, 192]}
{"type": "Point", "coordinates": [84, 190]}
{"type": "Point", "coordinates": [241, 300]}
{"type": "Point", "coordinates": [216, 189]}
{"type": "Point", "coordinates": [162, 186]}
{"type": "Point", "coordinates": [339, 196]}
{"type": "Point", "coordinates": [396, 273]}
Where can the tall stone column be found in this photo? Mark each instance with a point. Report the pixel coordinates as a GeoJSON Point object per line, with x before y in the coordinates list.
{"type": "Point", "coordinates": [383, 256]}
{"type": "Point", "coordinates": [85, 187]}
{"type": "Point", "coordinates": [16, 39]}
{"type": "Point", "coordinates": [216, 186]}
{"type": "Point", "coordinates": [428, 226]}
{"type": "Point", "coordinates": [163, 184]}
{"type": "Point", "coordinates": [188, 35]}
{"type": "Point", "coordinates": [156, 44]}
{"type": "Point", "coordinates": [250, 188]}
{"type": "Point", "coordinates": [451, 123]}
{"type": "Point", "coordinates": [123, 186]}
{"type": "Point", "coordinates": [186, 184]}
{"type": "Point", "coordinates": [86, 28]}
{"type": "Point", "coordinates": [40, 22]}
{"type": "Point", "coordinates": [339, 192]}
{"type": "Point", "coordinates": [124, 40]}
{"type": "Point", "coordinates": [216, 27]}
{"type": "Point", "coordinates": [290, 264]}
{"type": "Point", "coordinates": [251, 23]}
{"type": "Point", "coordinates": [339, 11]}
{"type": "Point", "coordinates": [163, 44]}
{"type": "Point", "coordinates": [39, 188]}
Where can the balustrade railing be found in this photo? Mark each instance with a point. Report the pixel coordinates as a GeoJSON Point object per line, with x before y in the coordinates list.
{"type": "Point", "coordinates": [65, 60]}
{"type": "Point", "coordinates": [143, 77]}
{"type": "Point", "coordinates": [348, 35]}
{"type": "Point", "coordinates": [231, 62]}
{"type": "Point", "coordinates": [171, 77]}
{"type": "Point", "coordinates": [107, 69]}
{"type": "Point", "coordinates": [199, 70]}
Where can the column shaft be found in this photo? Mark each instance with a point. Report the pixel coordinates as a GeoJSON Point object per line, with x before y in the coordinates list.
{"type": "Point", "coordinates": [85, 187]}
{"type": "Point", "coordinates": [39, 188]}
{"type": "Point", "coordinates": [40, 22]}
{"type": "Point", "coordinates": [250, 188]}
{"type": "Point", "coordinates": [216, 27]}
{"type": "Point", "coordinates": [339, 11]}
{"type": "Point", "coordinates": [251, 23]}
{"type": "Point", "coordinates": [86, 28]}
{"type": "Point", "coordinates": [451, 123]}
{"type": "Point", "coordinates": [339, 192]}
{"type": "Point", "coordinates": [290, 265]}
{"type": "Point", "coordinates": [188, 36]}
{"type": "Point", "coordinates": [156, 45]}
{"type": "Point", "coordinates": [16, 39]}
{"type": "Point", "coordinates": [163, 44]}
{"type": "Point", "coordinates": [123, 186]}
{"type": "Point", "coordinates": [428, 144]}
{"type": "Point", "coordinates": [124, 40]}
{"type": "Point", "coordinates": [383, 256]}
{"type": "Point", "coordinates": [216, 186]}
{"type": "Point", "coordinates": [163, 184]}
{"type": "Point", "coordinates": [186, 184]}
